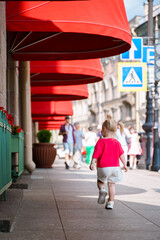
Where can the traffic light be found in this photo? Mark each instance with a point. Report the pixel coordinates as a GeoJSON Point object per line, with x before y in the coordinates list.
{"type": "Point", "coordinates": [157, 62]}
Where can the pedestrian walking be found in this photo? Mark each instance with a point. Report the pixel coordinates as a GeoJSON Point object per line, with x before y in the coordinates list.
{"type": "Point", "coordinates": [123, 136]}
{"type": "Point", "coordinates": [107, 152]}
{"type": "Point", "coordinates": [77, 156]}
{"type": "Point", "coordinates": [90, 142]}
{"type": "Point", "coordinates": [67, 131]}
{"type": "Point", "coordinates": [99, 134]}
{"type": "Point", "coordinates": [134, 148]}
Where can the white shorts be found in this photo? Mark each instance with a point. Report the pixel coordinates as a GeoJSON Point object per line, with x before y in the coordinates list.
{"type": "Point", "coordinates": [68, 148]}
{"type": "Point", "coordinates": [109, 174]}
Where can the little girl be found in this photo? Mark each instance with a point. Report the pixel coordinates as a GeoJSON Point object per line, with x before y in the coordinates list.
{"type": "Point", "coordinates": [107, 153]}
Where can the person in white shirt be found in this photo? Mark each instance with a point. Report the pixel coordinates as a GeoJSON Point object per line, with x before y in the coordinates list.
{"type": "Point", "coordinates": [123, 136]}
{"type": "Point", "coordinates": [90, 142]}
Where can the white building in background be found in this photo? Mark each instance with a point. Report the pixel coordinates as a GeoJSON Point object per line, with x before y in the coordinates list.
{"type": "Point", "coordinates": [80, 109]}
{"type": "Point", "coordinates": [105, 98]}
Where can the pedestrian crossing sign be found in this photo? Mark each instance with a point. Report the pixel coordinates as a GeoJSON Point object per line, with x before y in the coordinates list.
{"type": "Point", "coordinates": [132, 76]}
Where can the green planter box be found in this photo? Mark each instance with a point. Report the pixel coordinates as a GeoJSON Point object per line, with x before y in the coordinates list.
{"type": "Point", "coordinates": [5, 153]}
{"type": "Point", "coordinates": [17, 146]}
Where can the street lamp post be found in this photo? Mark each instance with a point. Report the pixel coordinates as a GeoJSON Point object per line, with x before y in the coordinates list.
{"type": "Point", "coordinates": [149, 111]}
{"type": "Point", "coordinates": [156, 154]}
{"type": "Point", "coordinates": [148, 128]}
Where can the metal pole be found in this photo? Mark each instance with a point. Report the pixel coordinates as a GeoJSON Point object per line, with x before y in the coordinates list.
{"type": "Point", "coordinates": [149, 113]}
{"type": "Point", "coordinates": [150, 21]}
{"type": "Point", "coordinates": [156, 154]}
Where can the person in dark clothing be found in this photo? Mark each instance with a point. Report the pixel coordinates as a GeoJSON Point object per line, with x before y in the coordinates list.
{"type": "Point", "coordinates": [67, 131]}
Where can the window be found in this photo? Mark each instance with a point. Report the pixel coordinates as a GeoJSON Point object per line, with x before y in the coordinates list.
{"type": "Point", "coordinates": [128, 110]}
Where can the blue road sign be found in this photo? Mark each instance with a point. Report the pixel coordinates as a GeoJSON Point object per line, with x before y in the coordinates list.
{"type": "Point", "coordinates": [131, 76]}
{"type": "Point", "coordinates": [148, 55]}
{"type": "Point", "coordinates": [135, 52]}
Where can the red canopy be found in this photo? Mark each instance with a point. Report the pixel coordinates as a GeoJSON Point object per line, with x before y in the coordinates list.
{"type": "Point", "coordinates": [41, 109]}
{"type": "Point", "coordinates": [48, 126]}
{"type": "Point", "coordinates": [59, 93]}
{"type": "Point", "coordinates": [51, 73]}
{"type": "Point", "coordinates": [48, 118]}
{"type": "Point", "coordinates": [63, 30]}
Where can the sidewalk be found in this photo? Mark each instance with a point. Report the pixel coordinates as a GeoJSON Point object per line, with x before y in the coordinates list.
{"type": "Point", "coordinates": [62, 205]}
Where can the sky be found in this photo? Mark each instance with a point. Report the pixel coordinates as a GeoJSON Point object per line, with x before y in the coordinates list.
{"type": "Point", "coordinates": [135, 7]}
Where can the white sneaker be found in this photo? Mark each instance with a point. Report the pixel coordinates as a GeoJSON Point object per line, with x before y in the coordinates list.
{"type": "Point", "coordinates": [102, 195]}
{"type": "Point", "coordinates": [109, 205]}
{"type": "Point", "coordinates": [76, 166]}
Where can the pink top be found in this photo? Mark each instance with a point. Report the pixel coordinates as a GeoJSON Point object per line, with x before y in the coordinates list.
{"type": "Point", "coordinates": [107, 152]}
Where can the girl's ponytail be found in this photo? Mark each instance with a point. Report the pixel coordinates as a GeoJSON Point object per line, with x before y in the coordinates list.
{"type": "Point", "coordinates": [110, 124]}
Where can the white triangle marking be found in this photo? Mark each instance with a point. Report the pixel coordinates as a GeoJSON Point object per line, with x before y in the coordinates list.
{"type": "Point", "coordinates": [132, 78]}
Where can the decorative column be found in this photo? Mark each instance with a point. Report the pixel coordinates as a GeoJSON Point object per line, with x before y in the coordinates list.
{"type": "Point", "coordinates": [26, 121]}
{"type": "Point", "coordinates": [36, 129]}
{"type": "Point", "coordinates": [13, 88]}
{"type": "Point", "coordinates": [3, 60]}
{"type": "Point", "coordinates": [13, 96]}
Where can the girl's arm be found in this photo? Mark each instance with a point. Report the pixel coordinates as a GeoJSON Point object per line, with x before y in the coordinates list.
{"type": "Point", "coordinates": [92, 165]}
{"type": "Point", "coordinates": [122, 158]}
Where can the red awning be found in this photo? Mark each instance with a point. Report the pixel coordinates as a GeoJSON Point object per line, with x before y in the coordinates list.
{"type": "Point", "coordinates": [53, 123]}
{"type": "Point", "coordinates": [59, 93]}
{"type": "Point", "coordinates": [67, 30]}
{"type": "Point", "coordinates": [41, 109]}
{"type": "Point", "coordinates": [47, 126]}
{"type": "Point", "coordinates": [52, 73]}
{"type": "Point", "coordinates": [48, 118]}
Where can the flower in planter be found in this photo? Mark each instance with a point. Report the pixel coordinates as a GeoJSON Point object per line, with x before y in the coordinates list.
{"type": "Point", "coordinates": [16, 129]}
{"type": "Point", "coordinates": [1, 108]}
{"type": "Point", "coordinates": [10, 119]}
{"type": "Point", "coordinates": [6, 112]}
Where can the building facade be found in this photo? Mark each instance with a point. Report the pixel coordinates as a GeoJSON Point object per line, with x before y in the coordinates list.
{"type": "Point", "coordinates": [105, 98]}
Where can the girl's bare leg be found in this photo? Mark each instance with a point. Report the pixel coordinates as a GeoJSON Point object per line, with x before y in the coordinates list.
{"type": "Point", "coordinates": [100, 184]}
{"type": "Point", "coordinates": [134, 161]}
{"type": "Point", "coordinates": [111, 191]}
{"type": "Point", "coordinates": [131, 161]}
{"type": "Point", "coordinates": [67, 158]}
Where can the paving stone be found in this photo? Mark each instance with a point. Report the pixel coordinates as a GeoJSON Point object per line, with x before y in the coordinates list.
{"type": "Point", "coordinates": [112, 235]}
{"type": "Point", "coordinates": [62, 204]}
{"type": "Point", "coordinates": [8, 208]}
{"type": "Point", "coordinates": [33, 235]}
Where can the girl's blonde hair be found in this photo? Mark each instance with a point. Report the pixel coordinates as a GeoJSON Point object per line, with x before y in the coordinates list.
{"type": "Point", "coordinates": [121, 126]}
{"type": "Point", "coordinates": [110, 124]}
